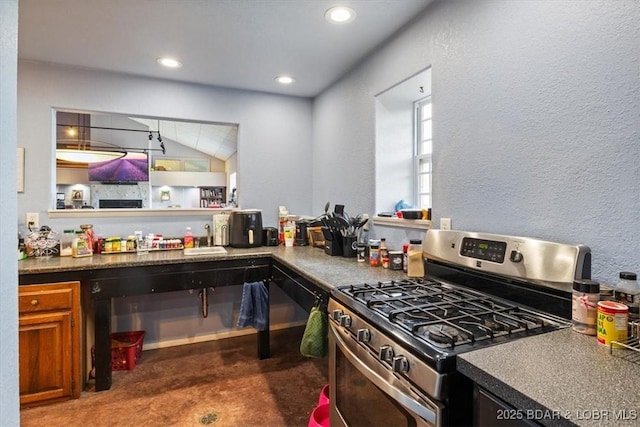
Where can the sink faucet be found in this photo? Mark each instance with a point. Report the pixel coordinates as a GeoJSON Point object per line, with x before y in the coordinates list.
{"type": "Point", "coordinates": [208, 228]}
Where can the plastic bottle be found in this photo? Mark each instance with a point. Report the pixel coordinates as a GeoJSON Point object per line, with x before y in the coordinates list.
{"type": "Point", "coordinates": [374, 254]}
{"type": "Point", "coordinates": [627, 288]}
{"type": "Point", "coordinates": [384, 250]}
{"type": "Point", "coordinates": [188, 238]}
{"type": "Point", "coordinates": [415, 267]}
{"type": "Point", "coordinates": [91, 238]}
{"type": "Point", "coordinates": [405, 257]}
{"type": "Point", "coordinates": [80, 246]}
{"type": "Point", "coordinates": [627, 291]}
{"type": "Point", "coordinates": [283, 215]}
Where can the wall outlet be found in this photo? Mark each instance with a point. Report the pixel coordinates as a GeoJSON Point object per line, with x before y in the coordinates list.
{"type": "Point", "coordinates": [445, 223]}
{"type": "Point", "coordinates": [32, 220]}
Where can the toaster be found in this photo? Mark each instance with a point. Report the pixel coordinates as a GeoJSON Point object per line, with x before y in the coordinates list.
{"type": "Point", "coordinates": [270, 236]}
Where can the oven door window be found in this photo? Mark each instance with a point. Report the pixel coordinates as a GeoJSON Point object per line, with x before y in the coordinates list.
{"type": "Point", "coordinates": [361, 403]}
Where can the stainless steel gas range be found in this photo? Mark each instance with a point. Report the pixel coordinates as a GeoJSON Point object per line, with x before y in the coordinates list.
{"type": "Point", "coordinates": [393, 345]}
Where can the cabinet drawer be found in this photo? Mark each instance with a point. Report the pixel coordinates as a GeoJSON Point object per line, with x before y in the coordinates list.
{"type": "Point", "coordinates": [35, 298]}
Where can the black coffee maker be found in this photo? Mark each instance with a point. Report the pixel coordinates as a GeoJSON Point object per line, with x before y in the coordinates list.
{"type": "Point", "coordinates": [301, 233]}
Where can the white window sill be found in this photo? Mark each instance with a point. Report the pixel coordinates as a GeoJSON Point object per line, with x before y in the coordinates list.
{"type": "Point", "coordinates": [96, 213]}
{"type": "Point", "coordinates": [419, 224]}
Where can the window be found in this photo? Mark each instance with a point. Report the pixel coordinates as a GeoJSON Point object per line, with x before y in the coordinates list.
{"type": "Point", "coordinates": [422, 152]}
{"type": "Point", "coordinates": [403, 168]}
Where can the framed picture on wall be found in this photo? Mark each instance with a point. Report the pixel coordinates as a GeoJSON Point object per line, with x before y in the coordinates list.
{"type": "Point", "coordinates": [167, 164]}
{"type": "Point", "coordinates": [77, 195]}
{"type": "Point", "coordinates": [196, 165]}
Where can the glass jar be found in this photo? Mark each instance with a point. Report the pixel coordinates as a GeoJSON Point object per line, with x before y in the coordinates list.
{"type": "Point", "coordinates": [584, 306]}
{"type": "Point", "coordinates": [66, 241]}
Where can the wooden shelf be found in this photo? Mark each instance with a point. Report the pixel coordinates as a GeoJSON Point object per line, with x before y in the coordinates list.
{"type": "Point", "coordinates": [212, 196]}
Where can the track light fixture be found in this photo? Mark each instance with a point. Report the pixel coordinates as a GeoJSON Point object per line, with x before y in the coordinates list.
{"type": "Point", "coordinates": [87, 151]}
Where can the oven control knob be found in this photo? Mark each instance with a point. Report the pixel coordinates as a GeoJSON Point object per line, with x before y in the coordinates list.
{"type": "Point", "coordinates": [335, 314]}
{"type": "Point", "coordinates": [400, 364]}
{"type": "Point", "coordinates": [345, 321]}
{"type": "Point", "coordinates": [516, 256]}
{"type": "Point", "coordinates": [386, 353]}
{"type": "Point", "coordinates": [363, 335]}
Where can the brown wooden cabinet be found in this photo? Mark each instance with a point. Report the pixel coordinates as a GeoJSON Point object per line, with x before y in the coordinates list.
{"type": "Point", "coordinates": [49, 342]}
{"type": "Point", "coordinates": [212, 196]}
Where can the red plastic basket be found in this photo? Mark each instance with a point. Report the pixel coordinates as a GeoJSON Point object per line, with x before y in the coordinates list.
{"type": "Point", "coordinates": [126, 349]}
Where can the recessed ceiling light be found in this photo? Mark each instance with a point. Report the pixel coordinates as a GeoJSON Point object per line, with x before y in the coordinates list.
{"type": "Point", "coordinates": [169, 62]}
{"type": "Point", "coordinates": [340, 15]}
{"type": "Point", "coordinates": [285, 80]}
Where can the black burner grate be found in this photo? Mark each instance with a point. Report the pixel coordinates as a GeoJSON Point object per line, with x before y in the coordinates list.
{"type": "Point", "coordinates": [443, 316]}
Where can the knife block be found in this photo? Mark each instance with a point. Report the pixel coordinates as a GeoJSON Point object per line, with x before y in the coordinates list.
{"type": "Point", "coordinates": [332, 242]}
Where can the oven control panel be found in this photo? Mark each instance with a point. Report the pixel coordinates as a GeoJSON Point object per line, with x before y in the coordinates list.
{"type": "Point", "coordinates": [526, 258]}
{"type": "Point", "coordinates": [488, 250]}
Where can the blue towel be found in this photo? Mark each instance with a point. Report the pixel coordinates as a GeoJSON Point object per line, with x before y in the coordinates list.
{"type": "Point", "coordinates": [254, 307]}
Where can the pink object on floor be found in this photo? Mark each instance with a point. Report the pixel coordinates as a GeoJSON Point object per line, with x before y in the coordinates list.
{"type": "Point", "coordinates": [320, 416]}
{"type": "Point", "coordinates": [324, 395]}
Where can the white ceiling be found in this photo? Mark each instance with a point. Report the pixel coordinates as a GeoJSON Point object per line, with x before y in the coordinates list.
{"type": "Point", "coordinates": [240, 44]}
{"type": "Point", "coordinates": [214, 140]}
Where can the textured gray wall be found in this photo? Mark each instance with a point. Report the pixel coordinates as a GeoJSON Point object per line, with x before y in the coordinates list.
{"type": "Point", "coordinates": [9, 386]}
{"type": "Point", "coordinates": [272, 130]}
{"type": "Point", "coordinates": [536, 122]}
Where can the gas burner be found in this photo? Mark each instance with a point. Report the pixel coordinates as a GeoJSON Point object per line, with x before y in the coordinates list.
{"type": "Point", "coordinates": [441, 335]}
{"type": "Point", "coordinates": [385, 295]}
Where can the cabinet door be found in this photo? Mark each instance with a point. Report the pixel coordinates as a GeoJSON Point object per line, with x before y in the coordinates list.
{"type": "Point", "coordinates": [45, 356]}
{"type": "Point", "coordinates": [50, 342]}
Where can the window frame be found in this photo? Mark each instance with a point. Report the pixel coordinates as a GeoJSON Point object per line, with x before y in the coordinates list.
{"type": "Point", "coordinates": [421, 158]}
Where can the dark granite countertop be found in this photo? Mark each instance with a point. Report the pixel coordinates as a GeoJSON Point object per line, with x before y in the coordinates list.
{"type": "Point", "coordinates": [561, 371]}
{"type": "Point", "coordinates": [563, 376]}
{"type": "Point", "coordinates": [312, 263]}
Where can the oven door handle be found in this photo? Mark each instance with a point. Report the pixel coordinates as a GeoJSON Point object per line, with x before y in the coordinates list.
{"type": "Point", "coordinates": [377, 377]}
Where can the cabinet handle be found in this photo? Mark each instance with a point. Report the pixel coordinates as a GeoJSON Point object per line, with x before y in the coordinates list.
{"type": "Point", "coordinates": [34, 302]}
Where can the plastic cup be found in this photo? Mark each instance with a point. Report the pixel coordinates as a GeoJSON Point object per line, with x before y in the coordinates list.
{"type": "Point", "coordinates": [289, 235]}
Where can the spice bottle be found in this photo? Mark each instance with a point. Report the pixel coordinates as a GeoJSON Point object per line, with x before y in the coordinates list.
{"type": "Point", "coordinates": [613, 322]}
{"type": "Point", "coordinates": [374, 254]}
{"type": "Point", "coordinates": [405, 257]}
{"type": "Point", "coordinates": [584, 306]}
{"type": "Point", "coordinates": [415, 267]}
{"type": "Point", "coordinates": [384, 250]}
